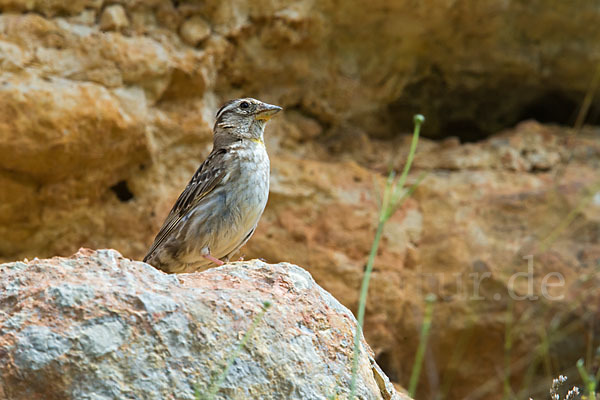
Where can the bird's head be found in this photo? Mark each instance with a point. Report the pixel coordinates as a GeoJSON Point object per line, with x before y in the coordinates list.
{"type": "Point", "coordinates": [244, 118]}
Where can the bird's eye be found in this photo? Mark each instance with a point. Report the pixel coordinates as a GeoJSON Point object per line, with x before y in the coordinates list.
{"type": "Point", "coordinates": [244, 104]}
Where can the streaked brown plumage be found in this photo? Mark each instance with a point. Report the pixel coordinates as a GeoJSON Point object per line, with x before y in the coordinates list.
{"type": "Point", "coordinates": [219, 209]}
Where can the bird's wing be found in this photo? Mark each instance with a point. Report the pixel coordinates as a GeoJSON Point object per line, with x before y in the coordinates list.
{"type": "Point", "coordinates": [206, 178]}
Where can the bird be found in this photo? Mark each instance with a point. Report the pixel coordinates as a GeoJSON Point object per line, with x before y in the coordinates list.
{"type": "Point", "coordinates": [220, 207]}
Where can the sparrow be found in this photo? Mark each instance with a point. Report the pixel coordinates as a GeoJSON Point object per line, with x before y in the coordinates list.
{"type": "Point", "coordinates": [219, 209]}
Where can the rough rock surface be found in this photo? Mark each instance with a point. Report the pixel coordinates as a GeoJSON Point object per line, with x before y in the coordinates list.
{"type": "Point", "coordinates": [467, 229]}
{"type": "Point", "coordinates": [106, 110]}
{"type": "Point", "coordinates": [99, 326]}
{"type": "Point", "coordinates": [91, 118]}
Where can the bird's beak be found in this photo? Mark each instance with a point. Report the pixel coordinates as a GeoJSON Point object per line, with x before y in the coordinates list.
{"type": "Point", "coordinates": [266, 111]}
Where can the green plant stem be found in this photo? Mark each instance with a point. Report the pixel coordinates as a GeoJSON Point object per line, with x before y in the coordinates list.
{"type": "Point", "coordinates": [362, 302]}
{"type": "Point", "coordinates": [589, 381]}
{"type": "Point", "coordinates": [565, 222]}
{"type": "Point", "coordinates": [587, 100]}
{"type": "Point", "coordinates": [424, 335]}
{"type": "Point", "coordinates": [216, 385]}
{"type": "Point", "coordinates": [457, 354]}
{"type": "Point", "coordinates": [508, 340]}
{"type": "Point", "coordinates": [392, 199]}
{"type": "Point", "coordinates": [598, 371]}
{"type": "Point", "coordinates": [398, 195]}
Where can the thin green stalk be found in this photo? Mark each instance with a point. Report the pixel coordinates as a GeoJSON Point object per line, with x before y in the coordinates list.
{"type": "Point", "coordinates": [457, 354]}
{"type": "Point", "coordinates": [508, 339]}
{"type": "Point", "coordinates": [589, 381]}
{"type": "Point", "coordinates": [425, 328]}
{"type": "Point", "coordinates": [540, 354]}
{"type": "Point", "coordinates": [398, 193]}
{"type": "Point", "coordinates": [587, 100]}
{"type": "Point", "coordinates": [565, 222]}
{"type": "Point", "coordinates": [597, 358]}
{"type": "Point", "coordinates": [391, 201]}
{"type": "Point", "coordinates": [489, 388]}
{"type": "Point", "coordinates": [361, 305]}
{"type": "Point", "coordinates": [418, 120]}
{"type": "Point", "coordinates": [407, 193]}
{"type": "Point", "coordinates": [216, 385]}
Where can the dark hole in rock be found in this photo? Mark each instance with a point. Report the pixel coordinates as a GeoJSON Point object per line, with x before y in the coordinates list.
{"type": "Point", "coordinates": [466, 130]}
{"type": "Point", "coordinates": [552, 107]}
{"type": "Point", "coordinates": [122, 191]}
{"type": "Point", "coordinates": [474, 114]}
{"type": "Point", "coordinates": [385, 360]}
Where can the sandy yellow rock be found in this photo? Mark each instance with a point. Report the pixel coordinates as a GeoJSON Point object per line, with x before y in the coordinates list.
{"type": "Point", "coordinates": [113, 18]}
{"type": "Point", "coordinates": [194, 30]}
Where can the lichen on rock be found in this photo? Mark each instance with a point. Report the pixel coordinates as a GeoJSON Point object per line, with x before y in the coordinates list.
{"type": "Point", "coordinates": [97, 324]}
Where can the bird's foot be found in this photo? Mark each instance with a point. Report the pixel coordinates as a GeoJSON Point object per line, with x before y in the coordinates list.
{"type": "Point", "coordinates": [213, 259]}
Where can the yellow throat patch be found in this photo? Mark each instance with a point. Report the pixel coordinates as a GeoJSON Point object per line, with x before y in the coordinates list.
{"type": "Point", "coordinates": [258, 141]}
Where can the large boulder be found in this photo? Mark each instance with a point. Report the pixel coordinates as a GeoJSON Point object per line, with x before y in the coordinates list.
{"type": "Point", "coordinates": [99, 326]}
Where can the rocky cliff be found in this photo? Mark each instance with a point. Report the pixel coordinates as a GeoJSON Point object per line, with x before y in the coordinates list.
{"type": "Point", "coordinates": [106, 111]}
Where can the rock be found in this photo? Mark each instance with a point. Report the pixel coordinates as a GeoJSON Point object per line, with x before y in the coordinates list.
{"type": "Point", "coordinates": [113, 18]}
{"type": "Point", "coordinates": [99, 325]}
{"type": "Point", "coordinates": [463, 234]}
{"type": "Point", "coordinates": [101, 130]}
{"type": "Point", "coordinates": [156, 97]}
{"type": "Point", "coordinates": [194, 30]}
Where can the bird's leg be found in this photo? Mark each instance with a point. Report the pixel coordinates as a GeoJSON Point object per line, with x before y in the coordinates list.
{"type": "Point", "coordinates": [213, 259]}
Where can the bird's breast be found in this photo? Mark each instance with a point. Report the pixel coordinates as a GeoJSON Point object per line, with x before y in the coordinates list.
{"type": "Point", "coordinates": [250, 178]}
{"type": "Point", "coordinates": [244, 199]}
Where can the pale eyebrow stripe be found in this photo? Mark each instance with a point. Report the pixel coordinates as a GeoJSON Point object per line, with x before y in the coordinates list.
{"type": "Point", "coordinates": [224, 108]}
